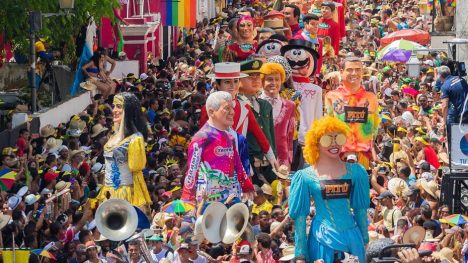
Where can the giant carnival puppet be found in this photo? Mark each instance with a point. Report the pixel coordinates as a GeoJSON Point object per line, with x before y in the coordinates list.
{"type": "Point", "coordinates": [341, 194]}
{"type": "Point", "coordinates": [245, 44]}
{"type": "Point", "coordinates": [352, 104]}
{"type": "Point", "coordinates": [125, 154]}
{"type": "Point", "coordinates": [249, 92]}
{"type": "Point", "coordinates": [214, 164]}
{"type": "Point", "coordinates": [302, 58]}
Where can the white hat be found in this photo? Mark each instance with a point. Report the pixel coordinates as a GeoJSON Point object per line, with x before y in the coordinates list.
{"type": "Point", "coordinates": [227, 70]}
{"type": "Point", "coordinates": [13, 202]}
{"type": "Point", "coordinates": [143, 76]}
{"type": "Point", "coordinates": [31, 199]}
{"type": "Point", "coordinates": [351, 157]}
{"type": "Point", "coordinates": [22, 191]}
{"type": "Point", "coordinates": [97, 167]}
{"type": "Point", "coordinates": [46, 191]}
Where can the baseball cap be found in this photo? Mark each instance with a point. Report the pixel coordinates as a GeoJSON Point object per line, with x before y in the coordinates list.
{"type": "Point", "coordinates": [244, 248]}
{"type": "Point", "coordinates": [185, 229]}
{"type": "Point", "coordinates": [31, 199]}
{"type": "Point", "coordinates": [428, 176]}
{"type": "Point", "coordinates": [184, 246]}
{"type": "Point", "coordinates": [386, 194]}
{"type": "Point", "coordinates": [50, 176]}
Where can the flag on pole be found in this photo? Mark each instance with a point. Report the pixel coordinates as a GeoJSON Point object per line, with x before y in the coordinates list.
{"type": "Point", "coordinates": [85, 56]}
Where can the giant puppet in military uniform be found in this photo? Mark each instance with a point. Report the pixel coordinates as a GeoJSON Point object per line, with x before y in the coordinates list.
{"type": "Point", "coordinates": [249, 91]}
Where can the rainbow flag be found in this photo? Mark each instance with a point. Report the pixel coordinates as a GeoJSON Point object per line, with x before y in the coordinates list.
{"type": "Point", "coordinates": [180, 13]}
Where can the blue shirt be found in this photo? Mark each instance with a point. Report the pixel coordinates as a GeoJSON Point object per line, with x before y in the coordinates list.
{"type": "Point", "coordinates": [455, 89]}
{"type": "Point", "coordinates": [151, 115]}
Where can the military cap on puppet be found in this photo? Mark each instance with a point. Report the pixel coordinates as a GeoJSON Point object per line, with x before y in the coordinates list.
{"type": "Point", "coordinates": [251, 66]}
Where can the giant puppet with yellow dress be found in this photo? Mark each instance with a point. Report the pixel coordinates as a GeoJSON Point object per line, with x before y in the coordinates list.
{"type": "Point", "coordinates": [125, 154]}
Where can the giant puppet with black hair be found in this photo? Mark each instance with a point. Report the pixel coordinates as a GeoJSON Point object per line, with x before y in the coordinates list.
{"type": "Point", "coordinates": [125, 154]}
{"type": "Point", "coordinates": [302, 57]}
{"type": "Point", "coordinates": [246, 44]}
{"type": "Point", "coordinates": [341, 194]}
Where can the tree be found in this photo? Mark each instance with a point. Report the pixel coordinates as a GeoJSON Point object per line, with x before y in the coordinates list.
{"type": "Point", "coordinates": [59, 30]}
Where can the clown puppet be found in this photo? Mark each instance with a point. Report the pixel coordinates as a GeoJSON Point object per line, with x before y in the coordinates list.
{"type": "Point", "coordinates": [302, 58]}
{"type": "Point", "coordinates": [352, 104]}
{"type": "Point", "coordinates": [245, 44]}
{"type": "Point", "coordinates": [269, 48]}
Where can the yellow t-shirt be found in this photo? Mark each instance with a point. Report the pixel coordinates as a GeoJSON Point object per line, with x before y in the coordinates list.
{"type": "Point", "coordinates": [266, 206]}
{"type": "Point", "coordinates": [39, 46]}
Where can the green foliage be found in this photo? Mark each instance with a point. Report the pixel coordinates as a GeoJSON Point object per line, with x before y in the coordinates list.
{"type": "Point", "coordinates": [59, 30]}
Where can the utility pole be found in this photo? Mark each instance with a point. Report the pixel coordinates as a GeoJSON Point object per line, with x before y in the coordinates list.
{"type": "Point", "coordinates": [33, 23]}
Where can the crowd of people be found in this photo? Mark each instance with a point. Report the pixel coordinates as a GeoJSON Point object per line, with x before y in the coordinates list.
{"type": "Point", "coordinates": [237, 100]}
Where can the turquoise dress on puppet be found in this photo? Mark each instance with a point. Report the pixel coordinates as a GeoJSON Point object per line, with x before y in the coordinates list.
{"type": "Point", "coordinates": [340, 223]}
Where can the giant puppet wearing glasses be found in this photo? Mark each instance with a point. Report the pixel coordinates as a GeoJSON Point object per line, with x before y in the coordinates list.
{"type": "Point", "coordinates": [341, 194]}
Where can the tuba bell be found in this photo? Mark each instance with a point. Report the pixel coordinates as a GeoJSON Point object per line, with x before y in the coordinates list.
{"type": "Point", "coordinates": [116, 219]}
{"type": "Point", "coordinates": [234, 223]}
{"type": "Point", "coordinates": [219, 223]}
{"type": "Point", "coordinates": [212, 220]}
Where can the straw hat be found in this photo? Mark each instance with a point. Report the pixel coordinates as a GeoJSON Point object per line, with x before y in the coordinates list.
{"type": "Point", "coordinates": [288, 254]}
{"type": "Point", "coordinates": [47, 131]}
{"type": "Point", "coordinates": [61, 185]}
{"type": "Point", "coordinates": [97, 129]}
{"type": "Point", "coordinates": [445, 254]}
{"type": "Point", "coordinates": [430, 187]}
{"type": "Point", "coordinates": [283, 172]}
{"type": "Point", "coordinates": [4, 219]}
{"type": "Point", "coordinates": [275, 25]}
{"type": "Point", "coordinates": [266, 188]}
{"type": "Point", "coordinates": [397, 186]}
{"type": "Point", "coordinates": [53, 144]}
{"type": "Point", "coordinates": [414, 235]}
{"type": "Point", "coordinates": [75, 152]}
{"type": "Point", "coordinates": [87, 85]}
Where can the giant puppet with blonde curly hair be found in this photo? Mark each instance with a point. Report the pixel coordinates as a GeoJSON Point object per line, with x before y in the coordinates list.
{"type": "Point", "coordinates": [341, 194]}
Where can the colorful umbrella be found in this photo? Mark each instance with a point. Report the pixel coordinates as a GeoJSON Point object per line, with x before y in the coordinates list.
{"type": "Point", "coordinates": [7, 179]}
{"type": "Point", "coordinates": [456, 219]}
{"type": "Point", "coordinates": [399, 51]}
{"type": "Point", "coordinates": [44, 253]}
{"type": "Point", "coordinates": [416, 35]}
{"type": "Point", "coordinates": [177, 206]}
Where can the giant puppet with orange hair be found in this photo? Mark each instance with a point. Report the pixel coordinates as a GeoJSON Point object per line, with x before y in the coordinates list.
{"type": "Point", "coordinates": [341, 194]}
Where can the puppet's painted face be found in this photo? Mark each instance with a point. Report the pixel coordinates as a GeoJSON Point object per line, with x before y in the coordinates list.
{"type": "Point", "coordinates": [246, 29]}
{"type": "Point", "coordinates": [270, 49]}
{"type": "Point", "coordinates": [301, 61]}
{"type": "Point", "coordinates": [117, 109]}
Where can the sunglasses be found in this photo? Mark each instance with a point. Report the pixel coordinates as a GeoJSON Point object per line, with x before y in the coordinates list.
{"type": "Point", "coordinates": [326, 140]}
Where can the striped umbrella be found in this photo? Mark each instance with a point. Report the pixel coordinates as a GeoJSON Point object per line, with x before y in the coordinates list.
{"type": "Point", "coordinates": [399, 51]}
{"type": "Point", "coordinates": [178, 206]}
{"type": "Point", "coordinates": [7, 179]}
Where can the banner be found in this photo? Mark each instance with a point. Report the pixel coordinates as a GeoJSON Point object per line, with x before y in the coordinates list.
{"type": "Point", "coordinates": [459, 146]}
